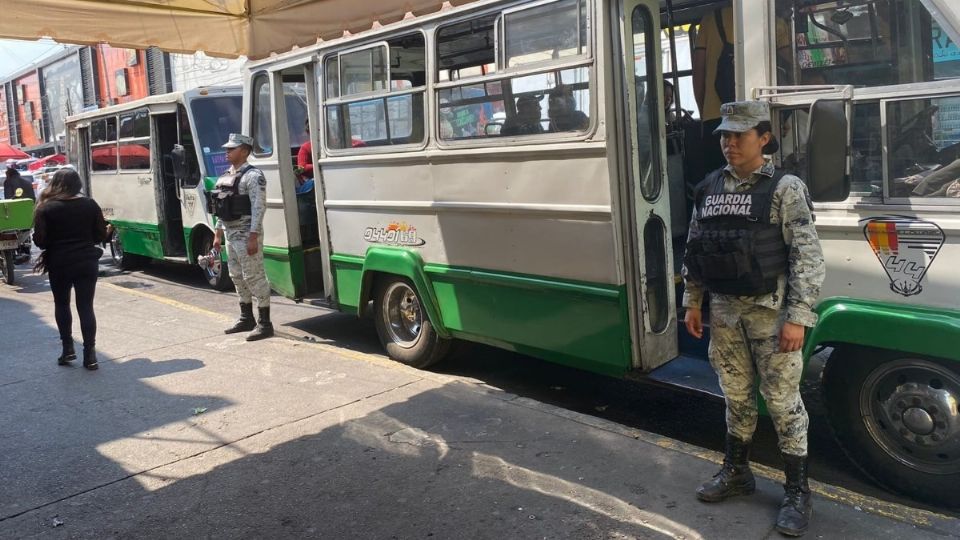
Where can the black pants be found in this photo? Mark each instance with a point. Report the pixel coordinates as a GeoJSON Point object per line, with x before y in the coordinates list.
{"type": "Point", "coordinates": [80, 276]}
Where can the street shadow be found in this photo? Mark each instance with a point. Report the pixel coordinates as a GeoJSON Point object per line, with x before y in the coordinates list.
{"type": "Point", "coordinates": [448, 462]}
{"type": "Point", "coordinates": [340, 330]}
{"type": "Point", "coordinates": [443, 463]}
{"type": "Point", "coordinates": [62, 424]}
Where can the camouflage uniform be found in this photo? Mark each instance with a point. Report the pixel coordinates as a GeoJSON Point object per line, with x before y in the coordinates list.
{"type": "Point", "coordinates": [247, 271]}
{"type": "Point", "coordinates": [745, 331]}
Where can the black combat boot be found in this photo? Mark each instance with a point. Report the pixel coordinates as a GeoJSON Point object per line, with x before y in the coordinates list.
{"type": "Point", "coordinates": [796, 508]}
{"type": "Point", "coordinates": [68, 355]}
{"type": "Point", "coordinates": [735, 476]}
{"type": "Point", "coordinates": [90, 358]}
{"type": "Point", "coordinates": [245, 323]}
{"type": "Point", "coordinates": [264, 327]}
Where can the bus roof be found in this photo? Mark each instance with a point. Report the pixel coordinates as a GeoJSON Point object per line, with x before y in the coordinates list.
{"type": "Point", "coordinates": [232, 28]}
{"type": "Point", "coordinates": [160, 99]}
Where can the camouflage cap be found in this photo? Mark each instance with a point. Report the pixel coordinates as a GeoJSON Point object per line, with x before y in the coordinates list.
{"type": "Point", "coordinates": [236, 139]}
{"type": "Point", "coordinates": [740, 116]}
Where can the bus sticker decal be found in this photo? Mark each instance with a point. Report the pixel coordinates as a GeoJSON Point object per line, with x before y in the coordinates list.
{"type": "Point", "coordinates": [906, 247]}
{"type": "Point", "coordinates": [394, 234]}
{"type": "Point", "coordinates": [189, 201]}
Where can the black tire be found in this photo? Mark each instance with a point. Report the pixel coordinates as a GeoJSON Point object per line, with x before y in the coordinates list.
{"type": "Point", "coordinates": [217, 276]}
{"type": "Point", "coordinates": [121, 259]}
{"type": "Point", "coordinates": [403, 326]}
{"type": "Point", "coordinates": [9, 274]}
{"type": "Point", "coordinates": [895, 417]}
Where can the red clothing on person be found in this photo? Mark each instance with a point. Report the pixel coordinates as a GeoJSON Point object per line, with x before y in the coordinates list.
{"type": "Point", "coordinates": [305, 160]}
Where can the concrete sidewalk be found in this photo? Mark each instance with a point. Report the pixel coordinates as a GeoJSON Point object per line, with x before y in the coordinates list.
{"type": "Point", "coordinates": [187, 432]}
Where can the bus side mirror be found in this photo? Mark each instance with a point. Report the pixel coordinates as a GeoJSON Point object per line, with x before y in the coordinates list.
{"type": "Point", "coordinates": [180, 171]}
{"type": "Point", "coordinates": [827, 177]}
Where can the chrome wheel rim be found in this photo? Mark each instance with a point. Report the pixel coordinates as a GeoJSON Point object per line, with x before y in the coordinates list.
{"type": "Point", "coordinates": [909, 407]}
{"type": "Point", "coordinates": [402, 315]}
{"type": "Point", "coordinates": [116, 248]}
{"type": "Point", "coordinates": [213, 270]}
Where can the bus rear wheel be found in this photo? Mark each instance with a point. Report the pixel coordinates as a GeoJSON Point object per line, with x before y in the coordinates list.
{"type": "Point", "coordinates": [896, 418]}
{"type": "Point", "coordinates": [121, 259]}
{"type": "Point", "coordinates": [403, 326]}
{"type": "Point", "coordinates": [216, 274]}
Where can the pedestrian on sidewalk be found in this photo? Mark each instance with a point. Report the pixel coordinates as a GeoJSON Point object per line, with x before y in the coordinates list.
{"type": "Point", "coordinates": [239, 200]}
{"type": "Point", "coordinates": [68, 227]}
{"type": "Point", "coordinates": [753, 246]}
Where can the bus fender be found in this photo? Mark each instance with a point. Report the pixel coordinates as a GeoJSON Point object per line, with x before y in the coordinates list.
{"type": "Point", "coordinates": [896, 327]}
{"type": "Point", "coordinates": [406, 263]}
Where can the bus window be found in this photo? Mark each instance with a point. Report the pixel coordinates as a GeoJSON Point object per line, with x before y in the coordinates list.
{"type": "Point", "coordinates": [394, 113]}
{"type": "Point", "coordinates": [363, 71]}
{"type": "Point", "coordinates": [466, 49]}
{"type": "Point", "coordinates": [554, 101]}
{"type": "Point", "coordinates": [215, 118]}
{"type": "Point", "coordinates": [866, 146]}
{"type": "Point", "coordinates": [872, 43]}
{"type": "Point", "coordinates": [134, 149]}
{"type": "Point", "coordinates": [262, 116]}
{"type": "Point", "coordinates": [923, 138]}
{"type": "Point", "coordinates": [545, 32]}
{"type": "Point", "coordinates": [331, 74]}
{"type": "Point", "coordinates": [534, 102]}
{"type": "Point", "coordinates": [645, 77]}
{"type": "Point", "coordinates": [103, 148]}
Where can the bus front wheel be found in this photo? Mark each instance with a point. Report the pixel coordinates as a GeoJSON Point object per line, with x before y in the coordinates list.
{"type": "Point", "coordinates": [122, 260]}
{"type": "Point", "coordinates": [896, 417]}
{"type": "Point", "coordinates": [403, 326]}
{"type": "Point", "coordinates": [216, 274]}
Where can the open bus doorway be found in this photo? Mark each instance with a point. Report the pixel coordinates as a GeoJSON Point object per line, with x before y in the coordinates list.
{"type": "Point", "coordinates": [168, 198]}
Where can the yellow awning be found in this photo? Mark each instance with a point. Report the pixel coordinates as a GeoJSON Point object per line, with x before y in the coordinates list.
{"type": "Point", "coordinates": [228, 28]}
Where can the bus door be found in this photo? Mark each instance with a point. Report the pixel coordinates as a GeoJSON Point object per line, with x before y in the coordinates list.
{"type": "Point", "coordinates": [79, 154]}
{"type": "Point", "coordinates": [646, 210]}
{"type": "Point", "coordinates": [292, 253]}
{"type": "Point", "coordinates": [169, 211]}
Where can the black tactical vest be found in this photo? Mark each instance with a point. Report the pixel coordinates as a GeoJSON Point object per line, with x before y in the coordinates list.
{"type": "Point", "coordinates": [226, 202]}
{"type": "Point", "coordinates": [737, 250]}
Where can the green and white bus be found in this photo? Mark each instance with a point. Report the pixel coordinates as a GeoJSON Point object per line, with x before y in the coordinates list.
{"type": "Point", "coordinates": [455, 207]}
{"type": "Point", "coordinates": [148, 164]}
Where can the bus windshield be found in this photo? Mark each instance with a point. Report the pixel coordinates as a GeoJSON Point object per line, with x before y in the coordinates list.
{"type": "Point", "coordinates": [215, 118]}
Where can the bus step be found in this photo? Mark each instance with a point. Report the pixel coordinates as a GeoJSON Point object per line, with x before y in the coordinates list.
{"type": "Point", "coordinates": [689, 372]}
{"type": "Point", "coordinates": [180, 260]}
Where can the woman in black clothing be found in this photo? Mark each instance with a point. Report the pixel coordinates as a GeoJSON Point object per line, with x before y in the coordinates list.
{"type": "Point", "coordinates": [68, 227]}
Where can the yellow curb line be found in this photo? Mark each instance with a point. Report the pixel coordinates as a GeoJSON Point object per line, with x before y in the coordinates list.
{"type": "Point", "coordinates": [895, 511]}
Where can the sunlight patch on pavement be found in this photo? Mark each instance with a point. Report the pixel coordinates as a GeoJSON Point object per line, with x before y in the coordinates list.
{"type": "Point", "coordinates": [494, 467]}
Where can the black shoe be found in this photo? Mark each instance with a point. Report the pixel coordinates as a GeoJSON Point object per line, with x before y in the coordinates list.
{"type": "Point", "coordinates": [264, 327]}
{"type": "Point", "coordinates": [734, 477]}
{"type": "Point", "coordinates": [68, 355]}
{"type": "Point", "coordinates": [245, 323]}
{"type": "Point", "coordinates": [90, 358]}
{"type": "Point", "coordinates": [796, 508]}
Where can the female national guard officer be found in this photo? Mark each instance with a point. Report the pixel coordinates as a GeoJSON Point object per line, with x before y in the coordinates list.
{"type": "Point", "coordinates": [752, 244]}
{"type": "Point", "coordinates": [239, 201]}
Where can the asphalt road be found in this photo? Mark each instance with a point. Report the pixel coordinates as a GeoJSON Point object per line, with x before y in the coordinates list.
{"type": "Point", "coordinates": [673, 413]}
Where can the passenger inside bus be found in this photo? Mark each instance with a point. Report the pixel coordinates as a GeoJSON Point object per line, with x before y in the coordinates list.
{"type": "Point", "coordinates": [527, 120]}
{"type": "Point", "coordinates": [563, 112]}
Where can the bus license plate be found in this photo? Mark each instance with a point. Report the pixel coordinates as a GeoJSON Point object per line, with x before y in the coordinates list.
{"type": "Point", "coordinates": [8, 244]}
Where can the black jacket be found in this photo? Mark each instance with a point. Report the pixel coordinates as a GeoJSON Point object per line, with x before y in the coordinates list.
{"type": "Point", "coordinates": [10, 186]}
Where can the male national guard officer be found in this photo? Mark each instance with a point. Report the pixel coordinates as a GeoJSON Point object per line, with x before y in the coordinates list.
{"type": "Point", "coordinates": [239, 201]}
{"type": "Point", "coordinates": [752, 244]}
